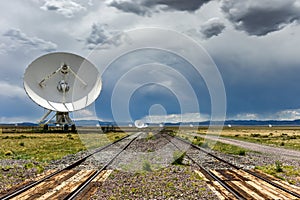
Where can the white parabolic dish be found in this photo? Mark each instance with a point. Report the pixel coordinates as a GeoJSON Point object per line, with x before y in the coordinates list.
{"type": "Point", "coordinates": [62, 82]}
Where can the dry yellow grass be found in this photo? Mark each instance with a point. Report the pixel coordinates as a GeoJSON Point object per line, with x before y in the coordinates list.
{"type": "Point", "coordinates": [50, 146]}
{"type": "Point", "coordinates": [287, 137]}
{"type": "Point", "coordinates": [263, 131]}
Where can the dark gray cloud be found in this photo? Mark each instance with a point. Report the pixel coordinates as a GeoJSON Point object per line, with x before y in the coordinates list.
{"type": "Point", "coordinates": [258, 17]}
{"type": "Point", "coordinates": [213, 27]}
{"type": "Point", "coordinates": [131, 7]}
{"type": "Point", "coordinates": [21, 39]}
{"type": "Point", "coordinates": [100, 35]}
{"type": "Point", "coordinates": [67, 8]}
{"type": "Point", "coordinates": [187, 5]}
{"type": "Point", "coordinates": [147, 7]}
{"type": "Point", "coordinates": [257, 84]}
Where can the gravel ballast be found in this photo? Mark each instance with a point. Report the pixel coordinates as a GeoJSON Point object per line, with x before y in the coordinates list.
{"type": "Point", "coordinates": [144, 171]}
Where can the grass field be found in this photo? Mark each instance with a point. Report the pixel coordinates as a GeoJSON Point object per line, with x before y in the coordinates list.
{"type": "Point", "coordinates": [287, 137]}
{"type": "Point", "coordinates": [47, 147]}
{"type": "Point", "coordinates": [289, 173]}
{"type": "Point", "coordinates": [217, 146]}
{"type": "Point", "coordinates": [38, 149]}
{"type": "Point", "coordinates": [284, 137]}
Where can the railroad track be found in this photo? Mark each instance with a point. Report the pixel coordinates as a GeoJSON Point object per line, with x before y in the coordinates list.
{"type": "Point", "coordinates": [235, 182]}
{"type": "Point", "coordinates": [69, 182]}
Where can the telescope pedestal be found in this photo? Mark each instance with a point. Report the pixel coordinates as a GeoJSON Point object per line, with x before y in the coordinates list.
{"type": "Point", "coordinates": [61, 118]}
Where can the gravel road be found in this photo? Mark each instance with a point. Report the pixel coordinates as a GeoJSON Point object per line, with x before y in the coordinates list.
{"type": "Point", "coordinates": [287, 153]}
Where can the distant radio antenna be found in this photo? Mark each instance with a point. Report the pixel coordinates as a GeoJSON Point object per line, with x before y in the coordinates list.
{"type": "Point", "coordinates": [62, 82]}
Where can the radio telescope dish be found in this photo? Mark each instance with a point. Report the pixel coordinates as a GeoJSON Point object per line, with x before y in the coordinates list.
{"type": "Point", "coordinates": [140, 124]}
{"type": "Point", "coordinates": [62, 82]}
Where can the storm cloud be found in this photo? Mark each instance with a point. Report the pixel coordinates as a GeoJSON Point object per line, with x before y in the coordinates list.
{"type": "Point", "coordinates": [213, 27]}
{"type": "Point", "coordinates": [147, 7]}
{"type": "Point", "coordinates": [259, 18]}
{"type": "Point", "coordinates": [256, 53]}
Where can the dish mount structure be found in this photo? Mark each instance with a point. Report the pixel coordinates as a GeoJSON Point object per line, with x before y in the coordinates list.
{"type": "Point", "coordinates": [62, 83]}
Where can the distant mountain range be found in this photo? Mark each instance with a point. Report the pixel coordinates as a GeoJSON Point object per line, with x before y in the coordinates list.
{"type": "Point", "coordinates": [243, 123]}
{"type": "Point", "coordinates": [263, 123]}
{"type": "Point", "coordinates": [206, 123]}
{"type": "Point", "coordinates": [19, 124]}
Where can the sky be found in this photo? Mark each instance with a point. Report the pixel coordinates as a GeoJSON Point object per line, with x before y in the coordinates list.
{"type": "Point", "coordinates": [252, 47]}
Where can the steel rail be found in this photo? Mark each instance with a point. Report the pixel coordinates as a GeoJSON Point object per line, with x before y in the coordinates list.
{"type": "Point", "coordinates": [239, 168]}
{"type": "Point", "coordinates": [223, 183]}
{"type": "Point", "coordinates": [73, 165]}
{"type": "Point", "coordinates": [84, 185]}
{"type": "Point", "coordinates": [272, 183]}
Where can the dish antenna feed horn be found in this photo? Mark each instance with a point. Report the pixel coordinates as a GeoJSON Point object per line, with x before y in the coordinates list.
{"type": "Point", "coordinates": [62, 83]}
